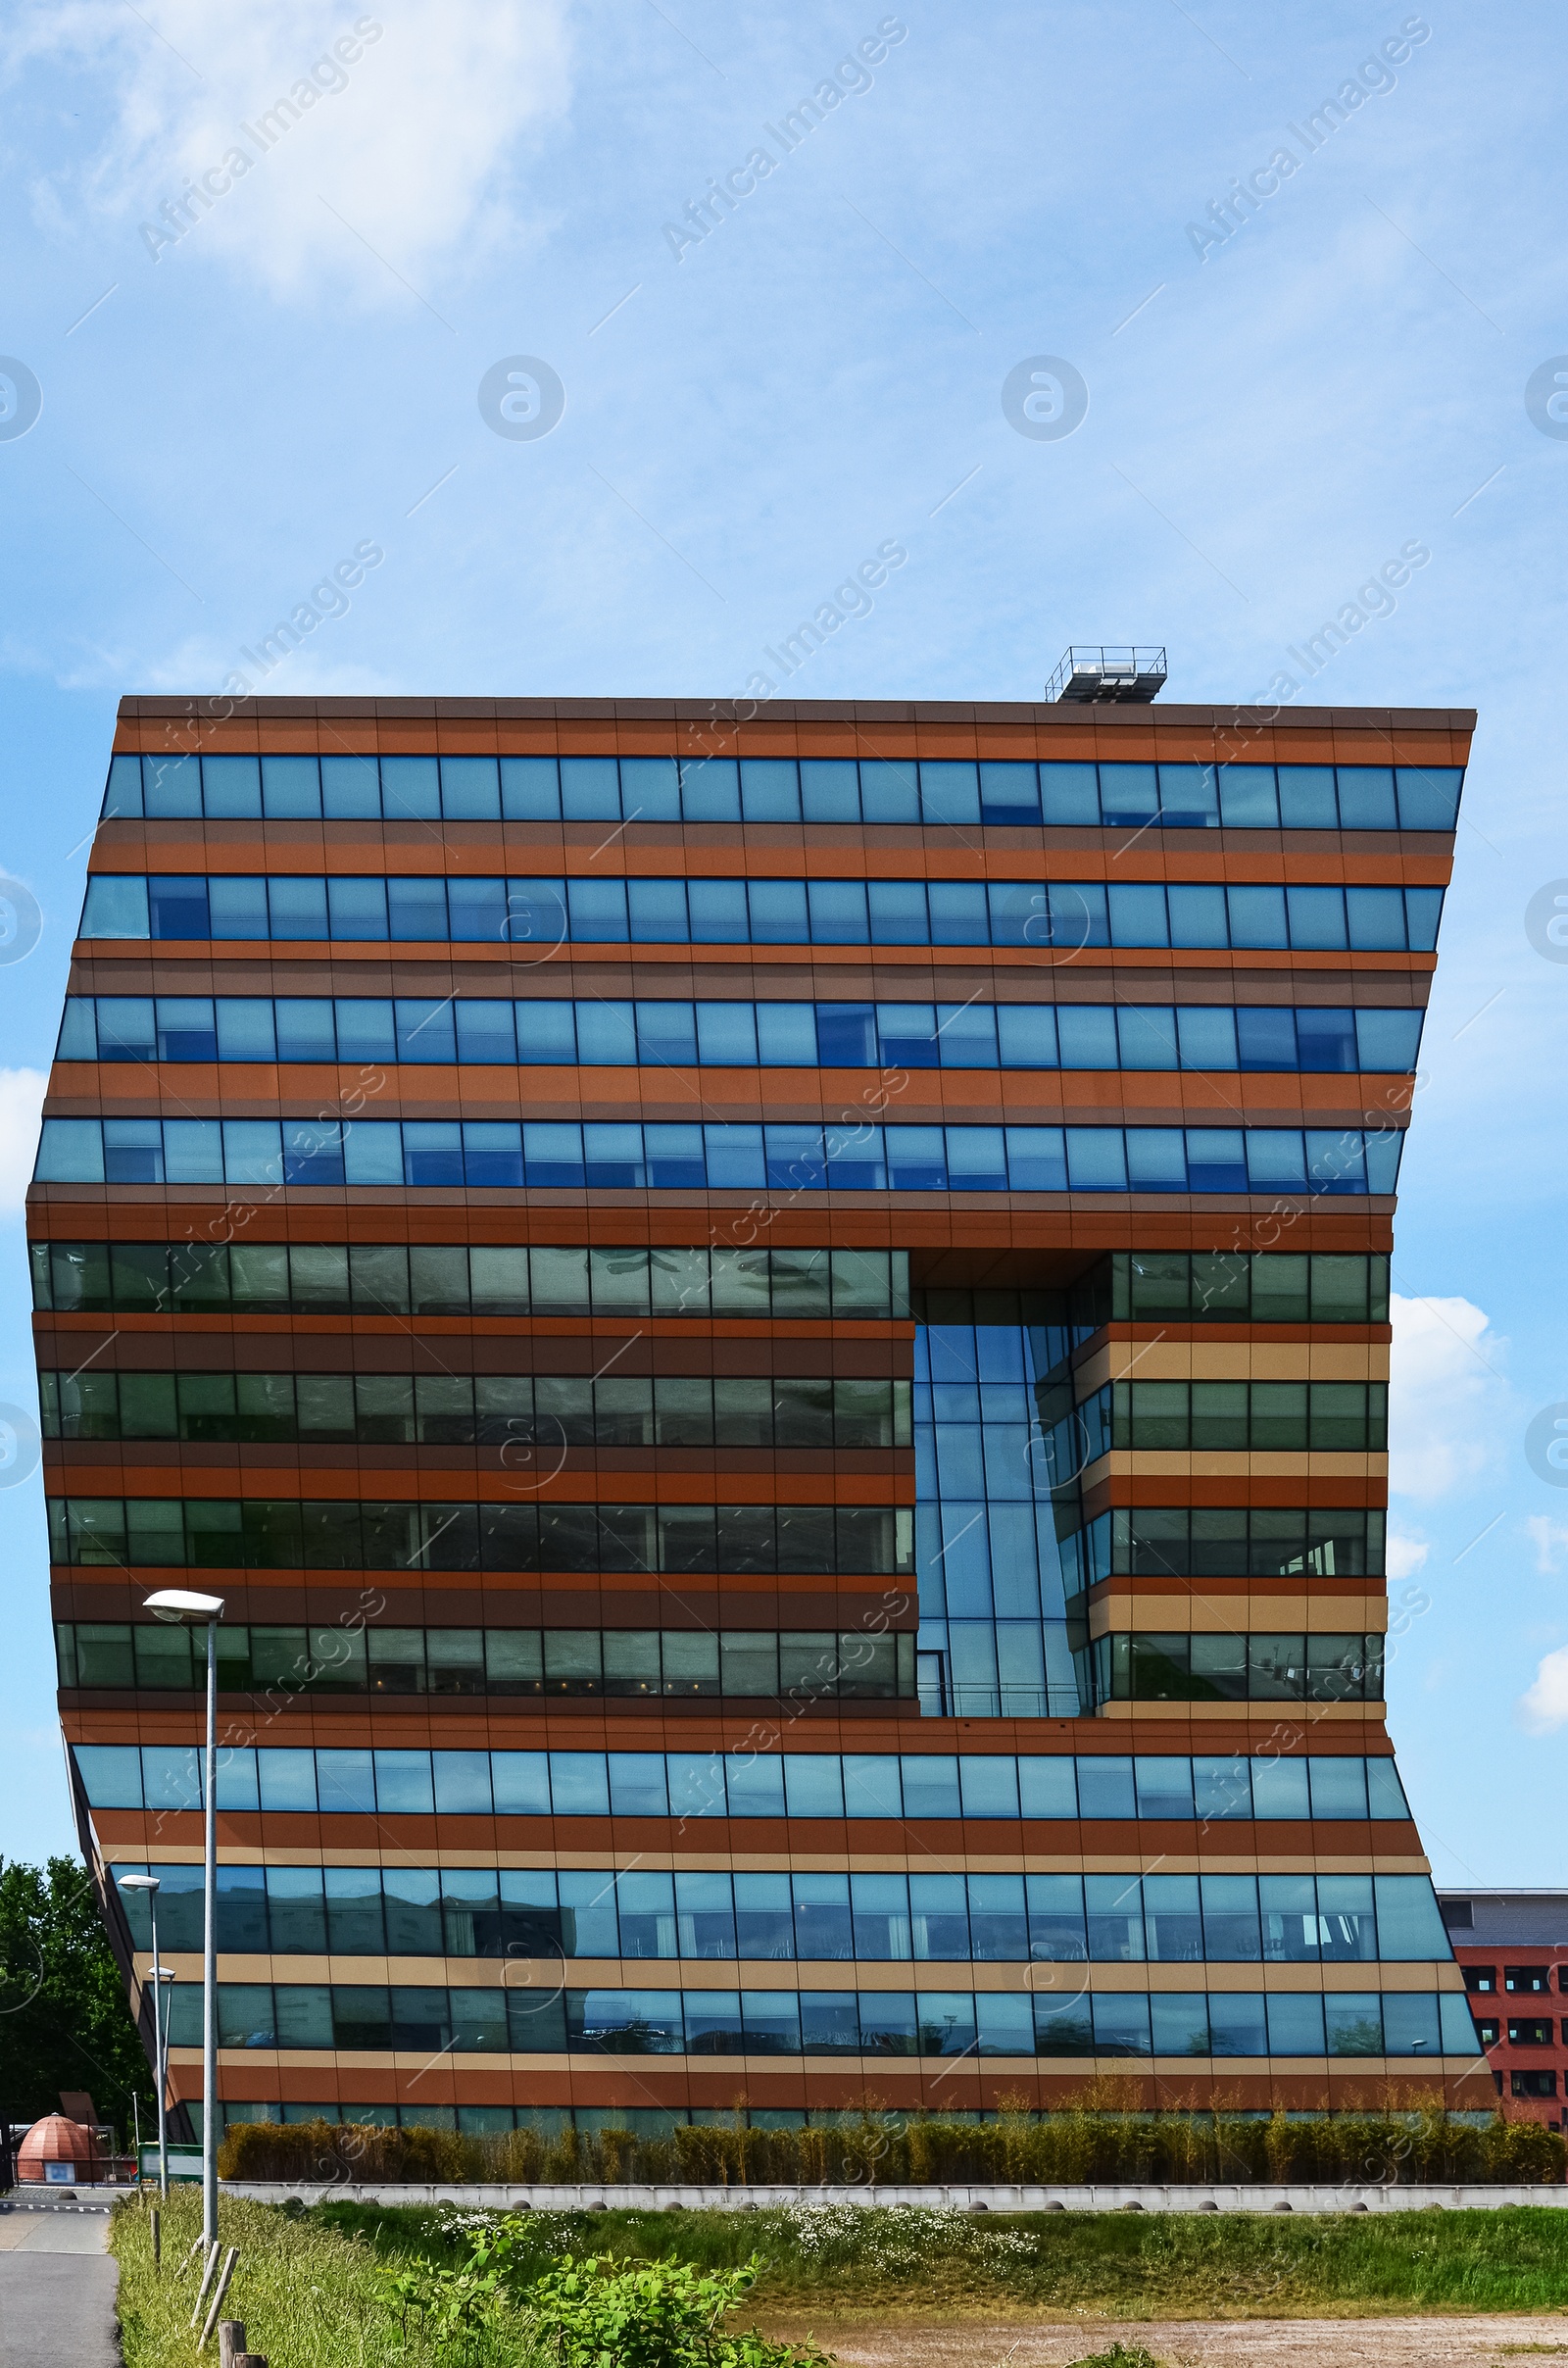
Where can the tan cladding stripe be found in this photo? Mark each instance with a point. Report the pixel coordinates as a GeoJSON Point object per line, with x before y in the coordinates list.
{"type": "Point", "coordinates": [1064, 1979]}
{"type": "Point", "coordinates": [761, 850]}
{"type": "Point", "coordinates": [923, 1861]}
{"type": "Point", "coordinates": [1173, 1357]}
{"type": "Point", "coordinates": [1259, 1609]}
{"type": "Point", "coordinates": [1145, 1713]}
{"type": "Point", "coordinates": [1176, 731]}
{"type": "Point", "coordinates": [1215, 1463]}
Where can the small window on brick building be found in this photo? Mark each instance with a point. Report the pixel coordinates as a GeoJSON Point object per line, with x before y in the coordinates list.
{"type": "Point", "coordinates": [1527, 1980]}
{"type": "Point", "coordinates": [1531, 2031]}
{"type": "Point", "coordinates": [1533, 2084]}
{"type": "Point", "coordinates": [1482, 1978]}
{"type": "Point", "coordinates": [1487, 2031]}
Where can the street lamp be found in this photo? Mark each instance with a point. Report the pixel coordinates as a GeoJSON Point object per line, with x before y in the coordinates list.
{"type": "Point", "coordinates": [181, 1608]}
{"type": "Point", "coordinates": [162, 1976]}
{"type": "Point", "coordinates": [157, 1974]}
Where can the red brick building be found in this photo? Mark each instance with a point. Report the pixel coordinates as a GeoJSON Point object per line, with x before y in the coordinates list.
{"type": "Point", "coordinates": [1512, 1947]}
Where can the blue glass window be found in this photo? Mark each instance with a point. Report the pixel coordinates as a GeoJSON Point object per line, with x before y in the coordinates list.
{"type": "Point", "coordinates": [590, 789]}
{"type": "Point", "coordinates": [778, 913]}
{"type": "Point", "coordinates": [358, 907]}
{"type": "Point", "coordinates": [530, 789]}
{"type": "Point", "coordinates": [1068, 793]}
{"type": "Point", "coordinates": [1009, 794]}
{"type": "Point", "coordinates": [291, 788]}
{"type": "Point", "coordinates": [770, 790]}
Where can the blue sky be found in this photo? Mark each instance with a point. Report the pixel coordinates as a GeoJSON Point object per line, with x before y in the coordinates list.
{"type": "Point", "coordinates": [1272, 415]}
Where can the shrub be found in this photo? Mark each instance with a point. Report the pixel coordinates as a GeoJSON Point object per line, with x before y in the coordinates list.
{"type": "Point", "coordinates": [1406, 2142]}
{"type": "Point", "coordinates": [604, 2313]}
{"type": "Point", "coordinates": [590, 2313]}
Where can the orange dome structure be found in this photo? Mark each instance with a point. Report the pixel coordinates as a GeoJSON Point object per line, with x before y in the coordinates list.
{"type": "Point", "coordinates": [59, 2152]}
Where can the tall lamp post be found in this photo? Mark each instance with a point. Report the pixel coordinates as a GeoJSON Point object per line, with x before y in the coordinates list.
{"type": "Point", "coordinates": [183, 1609]}
{"type": "Point", "coordinates": [147, 1885]}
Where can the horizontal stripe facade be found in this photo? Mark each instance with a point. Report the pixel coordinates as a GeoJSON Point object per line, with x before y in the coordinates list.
{"type": "Point", "coordinates": [530, 1663]}
{"type": "Point", "coordinates": [747, 1782]}
{"type": "Point", "coordinates": [376, 1278]}
{"type": "Point", "coordinates": [538, 1913]}
{"type": "Point", "coordinates": [356, 2018]}
{"type": "Point", "coordinates": [540, 1033]}
{"type": "Point", "coordinates": [507, 1156]}
{"type": "Point", "coordinates": [268, 1533]}
{"type": "Point", "coordinates": [532, 916]}
{"type": "Point", "coordinates": [781, 789]}
{"type": "Point", "coordinates": [547, 1413]}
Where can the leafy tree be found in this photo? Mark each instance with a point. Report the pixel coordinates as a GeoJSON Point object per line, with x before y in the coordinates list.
{"type": "Point", "coordinates": [65, 2022]}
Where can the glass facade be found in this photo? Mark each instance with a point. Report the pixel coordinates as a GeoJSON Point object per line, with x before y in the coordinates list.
{"type": "Point", "coordinates": [370, 1911]}
{"type": "Point", "coordinates": [780, 1356]}
{"type": "Point", "coordinates": [540, 1034]}
{"type": "Point", "coordinates": [779, 1411]}
{"type": "Point", "coordinates": [746, 1781]}
{"type": "Point", "coordinates": [779, 789]}
{"type": "Point", "coordinates": [357, 2018]}
{"type": "Point", "coordinates": [535, 916]}
{"type": "Point", "coordinates": [854, 1155]}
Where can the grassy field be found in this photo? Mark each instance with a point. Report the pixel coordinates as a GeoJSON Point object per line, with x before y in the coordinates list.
{"type": "Point", "coordinates": [307, 2292]}
{"type": "Point", "coordinates": [309, 2284]}
{"type": "Point", "coordinates": [844, 2264]}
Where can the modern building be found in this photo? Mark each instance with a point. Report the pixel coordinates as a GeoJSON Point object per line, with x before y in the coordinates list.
{"type": "Point", "coordinates": [1512, 1947]}
{"type": "Point", "coordinates": [775, 1332]}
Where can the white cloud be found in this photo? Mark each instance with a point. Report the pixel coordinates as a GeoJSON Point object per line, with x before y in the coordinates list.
{"type": "Point", "coordinates": [1543, 1704]}
{"type": "Point", "coordinates": [410, 140]}
{"type": "Point", "coordinates": [21, 1105]}
{"type": "Point", "coordinates": [1446, 1395]}
{"type": "Point", "coordinates": [1405, 1556]}
{"type": "Point", "coordinates": [1548, 1539]}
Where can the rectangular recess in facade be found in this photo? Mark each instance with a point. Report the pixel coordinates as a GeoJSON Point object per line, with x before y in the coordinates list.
{"type": "Point", "coordinates": [776, 1335]}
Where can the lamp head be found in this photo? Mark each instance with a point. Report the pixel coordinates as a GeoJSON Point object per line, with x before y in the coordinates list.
{"type": "Point", "coordinates": [161, 1973]}
{"type": "Point", "coordinates": [138, 1883]}
{"type": "Point", "coordinates": [181, 1608]}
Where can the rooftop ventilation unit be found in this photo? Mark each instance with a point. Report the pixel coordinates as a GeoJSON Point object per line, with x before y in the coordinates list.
{"type": "Point", "coordinates": [1088, 674]}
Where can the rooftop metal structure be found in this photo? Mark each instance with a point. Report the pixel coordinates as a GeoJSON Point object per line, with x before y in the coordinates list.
{"type": "Point", "coordinates": [1115, 670]}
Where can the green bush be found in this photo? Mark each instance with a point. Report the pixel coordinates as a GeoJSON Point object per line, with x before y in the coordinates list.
{"type": "Point", "coordinates": [1405, 2142]}
{"type": "Point", "coordinates": [606, 2313]}
{"type": "Point", "coordinates": [588, 2311]}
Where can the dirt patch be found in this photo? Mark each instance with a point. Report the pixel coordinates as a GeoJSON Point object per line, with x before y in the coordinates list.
{"type": "Point", "coordinates": [1375, 2343]}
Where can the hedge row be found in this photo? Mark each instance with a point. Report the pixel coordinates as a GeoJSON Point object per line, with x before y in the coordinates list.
{"type": "Point", "coordinates": [1084, 2143]}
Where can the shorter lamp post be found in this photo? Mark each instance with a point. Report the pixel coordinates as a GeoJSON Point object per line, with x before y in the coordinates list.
{"type": "Point", "coordinates": [147, 1887]}
{"type": "Point", "coordinates": [183, 1609]}
{"type": "Point", "coordinates": [163, 1976]}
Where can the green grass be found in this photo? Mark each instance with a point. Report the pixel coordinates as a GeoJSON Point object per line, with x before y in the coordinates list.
{"type": "Point", "coordinates": [845, 2263]}
{"type": "Point", "coordinates": [308, 2282]}
{"type": "Point", "coordinates": [305, 2290]}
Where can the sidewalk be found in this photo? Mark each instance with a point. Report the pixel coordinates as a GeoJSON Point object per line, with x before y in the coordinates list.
{"type": "Point", "coordinates": [57, 2286]}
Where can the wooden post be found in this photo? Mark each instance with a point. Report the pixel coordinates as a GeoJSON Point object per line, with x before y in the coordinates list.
{"type": "Point", "coordinates": [158, 2240]}
{"type": "Point", "coordinates": [231, 2341]}
{"type": "Point", "coordinates": [206, 2279]}
{"type": "Point", "coordinates": [219, 2290]}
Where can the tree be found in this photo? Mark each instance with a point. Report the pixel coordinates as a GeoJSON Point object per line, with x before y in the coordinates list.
{"type": "Point", "coordinates": [65, 2022]}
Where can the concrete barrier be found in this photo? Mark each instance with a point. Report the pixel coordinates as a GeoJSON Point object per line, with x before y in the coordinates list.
{"type": "Point", "coordinates": [1220, 2196]}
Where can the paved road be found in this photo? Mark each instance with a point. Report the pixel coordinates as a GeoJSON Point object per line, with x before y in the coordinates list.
{"type": "Point", "coordinates": [57, 2289]}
